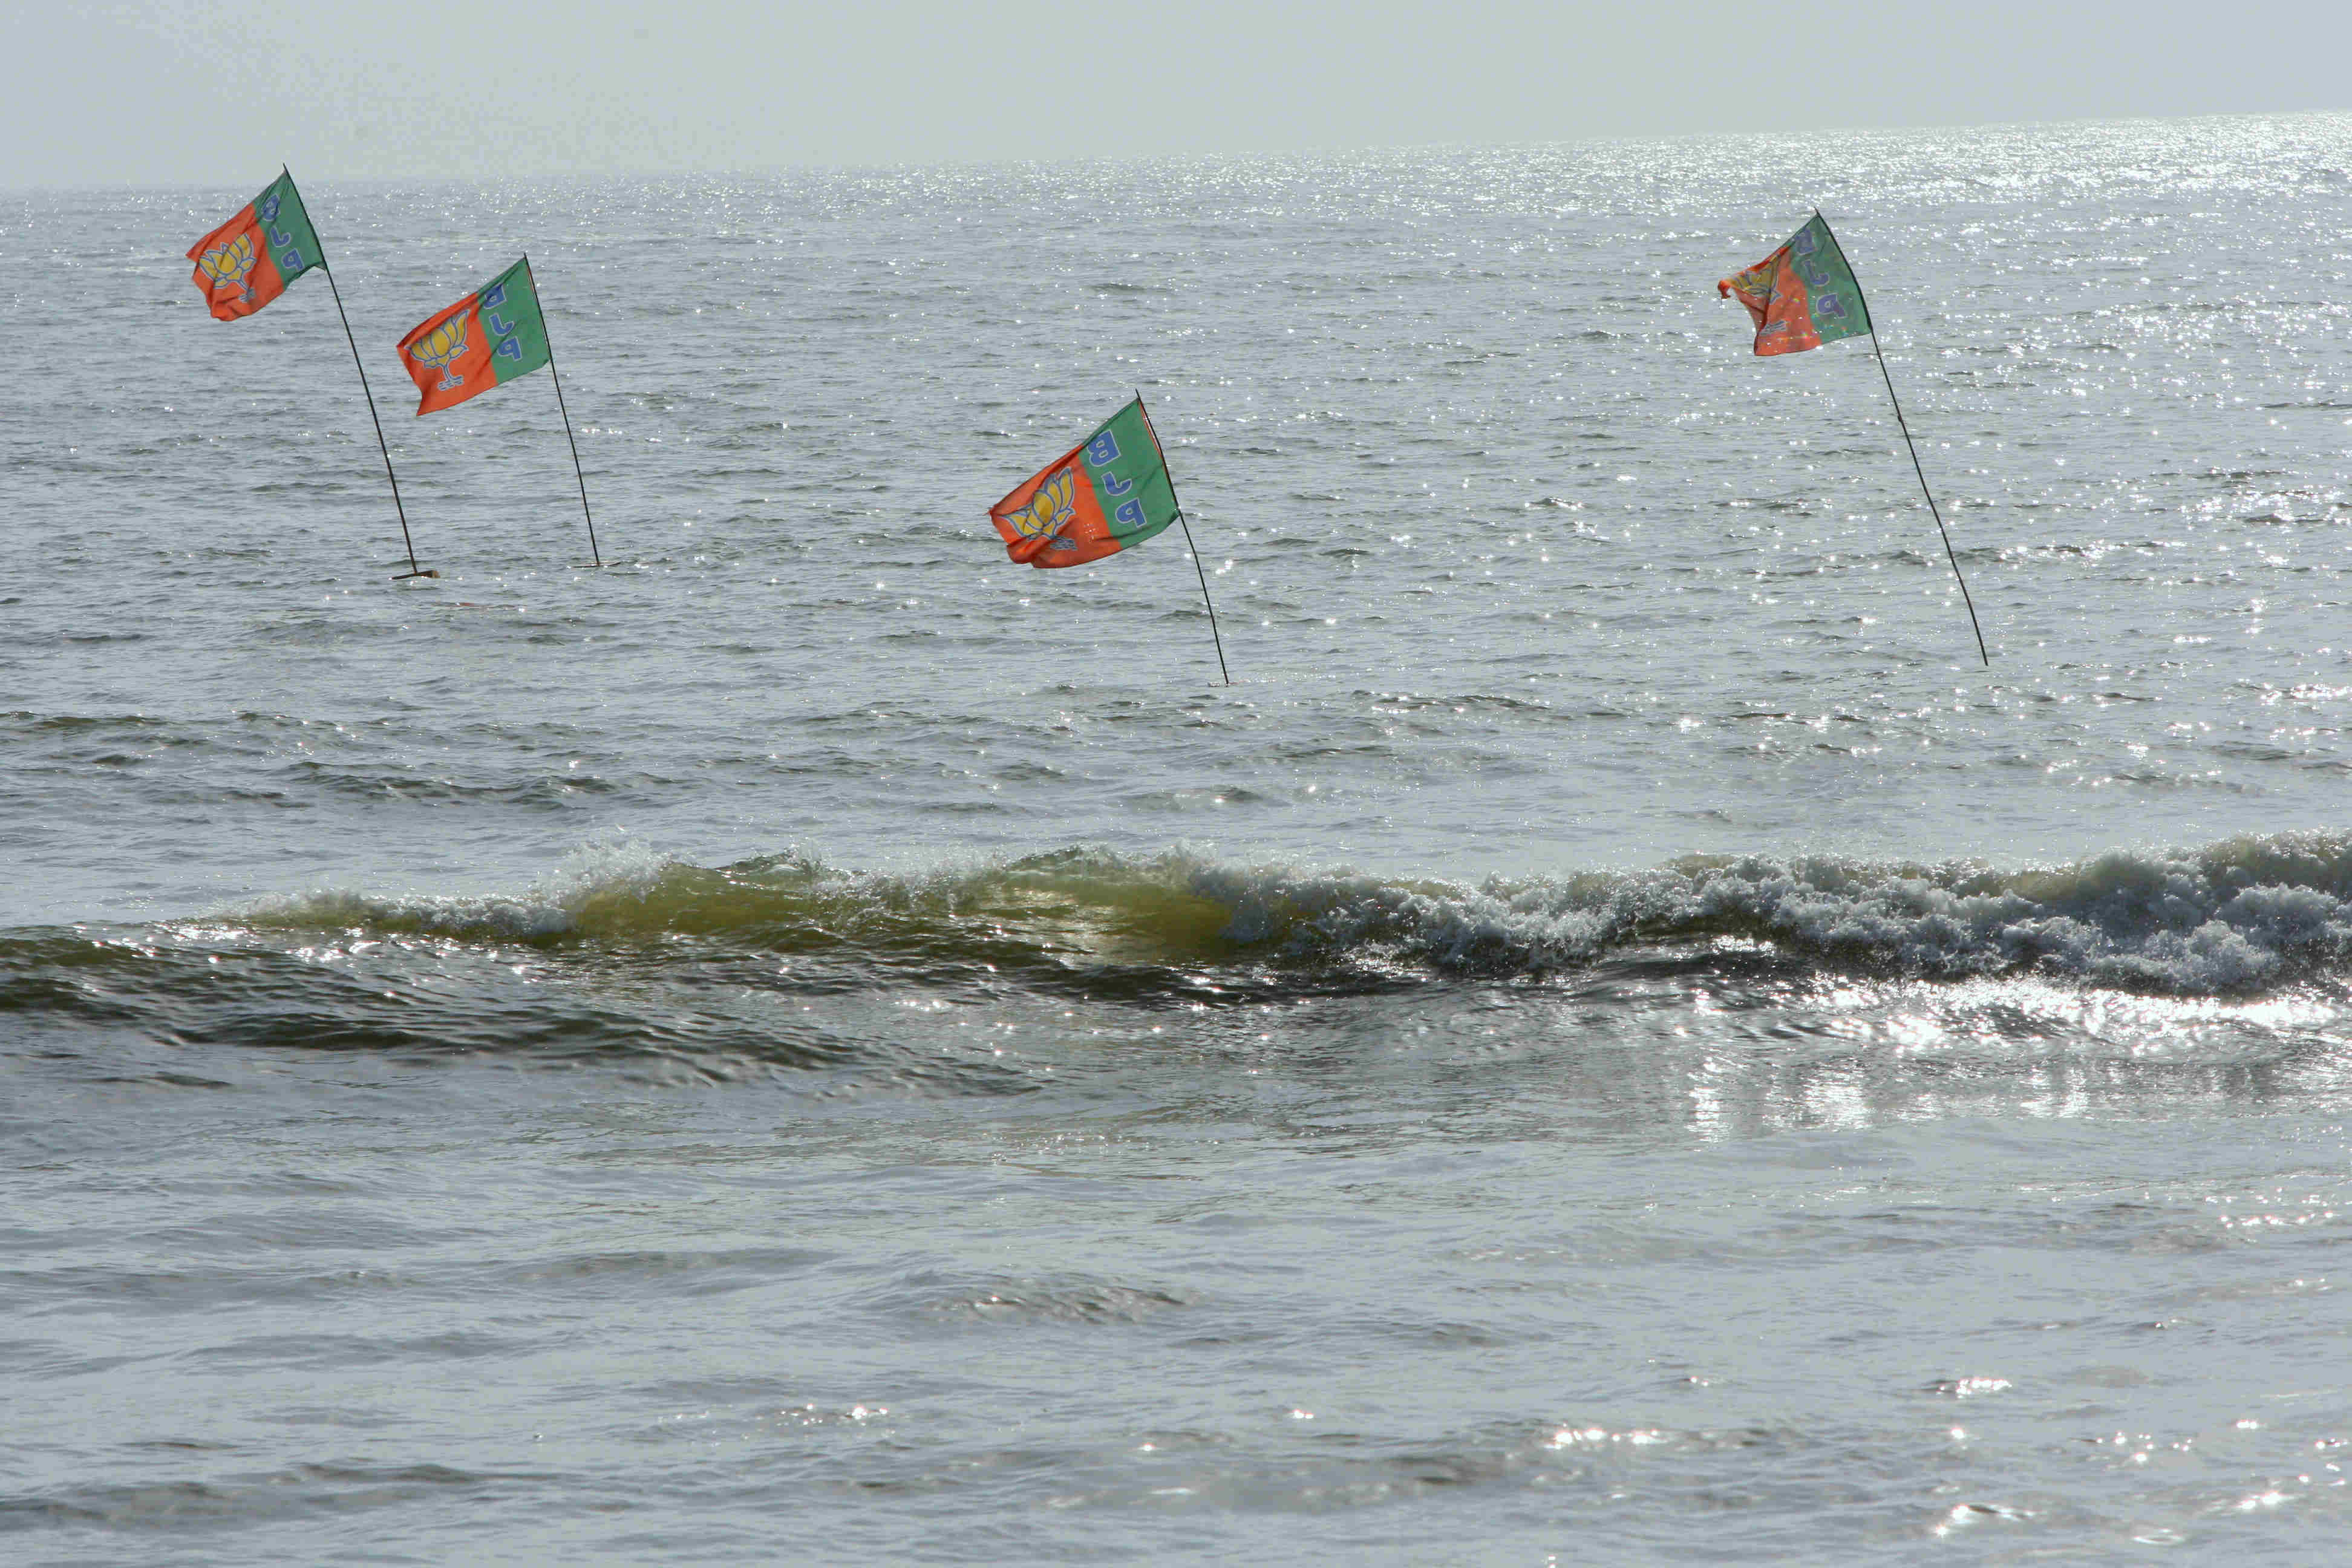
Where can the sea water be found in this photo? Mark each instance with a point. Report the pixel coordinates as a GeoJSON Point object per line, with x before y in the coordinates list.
{"type": "Point", "coordinates": [1614, 1039]}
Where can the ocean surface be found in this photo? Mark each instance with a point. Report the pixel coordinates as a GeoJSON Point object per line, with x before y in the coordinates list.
{"type": "Point", "coordinates": [1614, 1039]}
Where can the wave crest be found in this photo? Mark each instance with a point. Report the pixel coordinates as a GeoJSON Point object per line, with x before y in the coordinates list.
{"type": "Point", "coordinates": [2239, 915]}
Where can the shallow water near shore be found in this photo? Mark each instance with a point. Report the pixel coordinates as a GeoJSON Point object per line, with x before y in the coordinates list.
{"type": "Point", "coordinates": [1614, 1040]}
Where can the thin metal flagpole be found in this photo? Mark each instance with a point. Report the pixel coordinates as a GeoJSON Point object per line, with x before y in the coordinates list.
{"type": "Point", "coordinates": [1905, 426]}
{"type": "Point", "coordinates": [1197, 570]}
{"type": "Point", "coordinates": [576, 471]}
{"type": "Point", "coordinates": [382, 445]}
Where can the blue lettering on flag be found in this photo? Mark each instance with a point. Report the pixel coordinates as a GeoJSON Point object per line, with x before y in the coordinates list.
{"type": "Point", "coordinates": [492, 298]}
{"type": "Point", "coordinates": [1807, 241]}
{"type": "Point", "coordinates": [1130, 513]}
{"type": "Point", "coordinates": [1103, 450]}
{"type": "Point", "coordinates": [1113, 485]}
{"type": "Point", "coordinates": [509, 348]}
{"type": "Point", "coordinates": [503, 329]}
{"type": "Point", "coordinates": [1829, 305]}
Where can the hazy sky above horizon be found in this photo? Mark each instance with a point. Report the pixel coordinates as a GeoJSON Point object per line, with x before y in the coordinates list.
{"type": "Point", "coordinates": [197, 91]}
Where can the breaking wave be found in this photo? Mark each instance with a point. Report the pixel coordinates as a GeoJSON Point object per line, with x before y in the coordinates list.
{"type": "Point", "coordinates": [2232, 917]}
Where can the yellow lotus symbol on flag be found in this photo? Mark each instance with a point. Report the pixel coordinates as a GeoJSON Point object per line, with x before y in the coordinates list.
{"type": "Point", "coordinates": [439, 346]}
{"type": "Point", "coordinates": [1051, 509]}
{"type": "Point", "coordinates": [230, 264]}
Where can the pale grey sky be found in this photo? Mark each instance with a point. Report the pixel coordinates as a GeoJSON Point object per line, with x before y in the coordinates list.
{"type": "Point", "coordinates": [173, 91]}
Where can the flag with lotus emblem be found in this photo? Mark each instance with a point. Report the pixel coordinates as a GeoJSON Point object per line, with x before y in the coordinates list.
{"type": "Point", "coordinates": [1802, 295]}
{"type": "Point", "coordinates": [247, 261]}
{"type": "Point", "coordinates": [1109, 492]}
{"type": "Point", "coordinates": [483, 341]}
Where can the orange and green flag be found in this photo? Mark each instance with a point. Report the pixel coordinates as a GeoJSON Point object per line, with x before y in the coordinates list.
{"type": "Point", "coordinates": [1108, 493]}
{"type": "Point", "coordinates": [247, 261]}
{"type": "Point", "coordinates": [485, 340]}
{"type": "Point", "coordinates": [1802, 295]}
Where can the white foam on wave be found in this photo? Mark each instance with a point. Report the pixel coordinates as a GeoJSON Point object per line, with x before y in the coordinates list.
{"type": "Point", "coordinates": [2229, 917]}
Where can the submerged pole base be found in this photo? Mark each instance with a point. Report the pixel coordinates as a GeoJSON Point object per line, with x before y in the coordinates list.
{"type": "Point", "coordinates": [587, 565]}
{"type": "Point", "coordinates": [404, 576]}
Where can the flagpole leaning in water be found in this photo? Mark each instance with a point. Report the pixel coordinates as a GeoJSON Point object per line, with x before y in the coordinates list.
{"type": "Point", "coordinates": [328, 267]}
{"type": "Point", "coordinates": [1905, 426]}
{"type": "Point", "coordinates": [1187, 527]}
{"type": "Point", "coordinates": [576, 471]}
